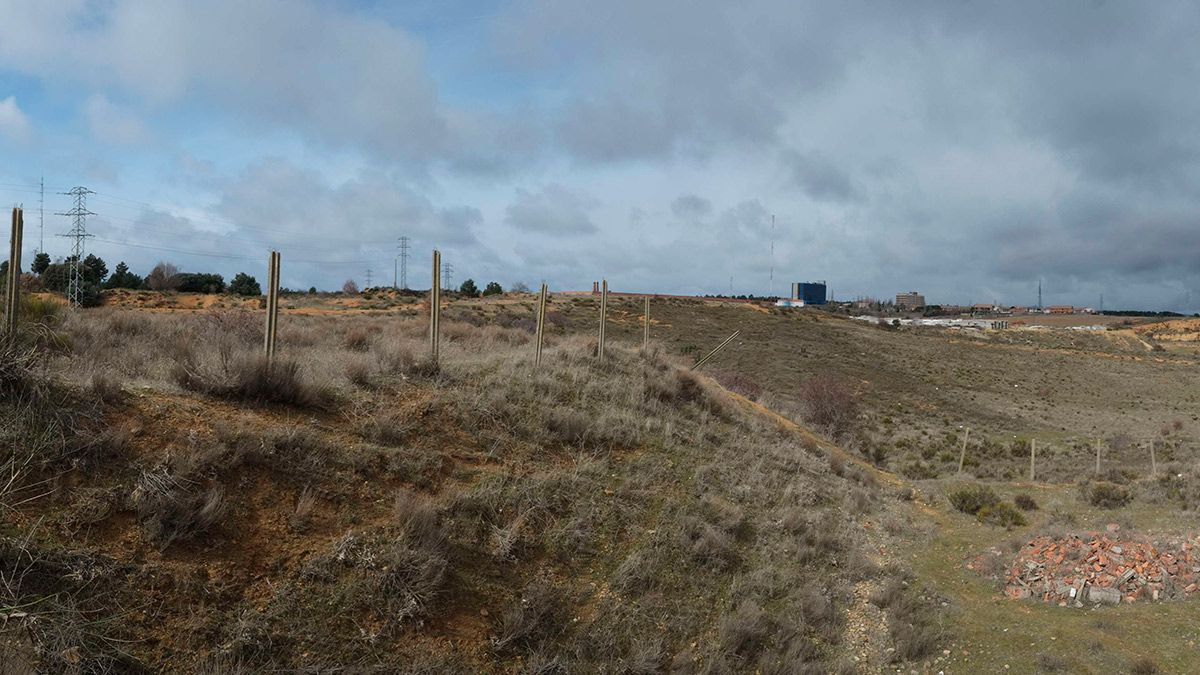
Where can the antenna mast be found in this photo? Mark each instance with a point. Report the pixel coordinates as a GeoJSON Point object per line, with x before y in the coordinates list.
{"type": "Point", "coordinates": [772, 291]}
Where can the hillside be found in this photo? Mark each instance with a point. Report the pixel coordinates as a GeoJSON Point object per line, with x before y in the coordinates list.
{"type": "Point", "coordinates": [178, 509]}
{"type": "Point", "coordinates": [794, 507]}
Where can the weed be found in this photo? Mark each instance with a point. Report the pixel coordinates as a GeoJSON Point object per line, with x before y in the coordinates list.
{"type": "Point", "coordinates": [171, 508]}
{"type": "Point", "coordinates": [538, 616]}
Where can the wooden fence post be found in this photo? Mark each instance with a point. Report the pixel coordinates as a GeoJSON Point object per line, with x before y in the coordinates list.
{"type": "Point", "coordinates": [541, 325]}
{"type": "Point", "coordinates": [603, 314]}
{"type": "Point", "coordinates": [962, 454]}
{"type": "Point", "coordinates": [1153, 463]}
{"type": "Point", "coordinates": [272, 305]}
{"type": "Point", "coordinates": [435, 306]}
{"type": "Point", "coordinates": [1032, 458]}
{"type": "Point", "coordinates": [696, 365]}
{"type": "Point", "coordinates": [646, 326]}
{"type": "Point", "coordinates": [1097, 456]}
{"type": "Point", "coordinates": [12, 285]}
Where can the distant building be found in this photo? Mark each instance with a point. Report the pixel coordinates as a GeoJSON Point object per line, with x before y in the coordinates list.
{"type": "Point", "coordinates": [1060, 309]}
{"type": "Point", "coordinates": [910, 300]}
{"type": "Point", "coordinates": [809, 292]}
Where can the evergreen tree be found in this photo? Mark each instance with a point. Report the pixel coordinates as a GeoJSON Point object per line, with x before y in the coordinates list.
{"type": "Point", "coordinates": [40, 262]}
{"type": "Point", "coordinates": [244, 284]}
{"type": "Point", "coordinates": [493, 288]}
{"type": "Point", "coordinates": [469, 289]}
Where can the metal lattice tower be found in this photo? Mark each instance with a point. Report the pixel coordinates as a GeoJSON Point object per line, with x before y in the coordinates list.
{"type": "Point", "coordinates": [369, 277]}
{"type": "Point", "coordinates": [79, 234]}
{"type": "Point", "coordinates": [42, 215]}
{"type": "Point", "coordinates": [447, 274]}
{"type": "Point", "coordinates": [404, 262]}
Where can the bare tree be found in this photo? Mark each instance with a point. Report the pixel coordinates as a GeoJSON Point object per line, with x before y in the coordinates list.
{"type": "Point", "coordinates": [350, 288]}
{"type": "Point", "coordinates": [164, 277]}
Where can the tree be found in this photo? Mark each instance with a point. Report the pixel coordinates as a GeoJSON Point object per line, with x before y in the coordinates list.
{"type": "Point", "coordinates": [469, 289]}
{"type": "Point", "coordinates": [56, 276]}
{"type": "Point", "coordinates": [519, 287]}
{"type": "Point", "coordinates": [123, 278]}
{"type": "Point", "coordinates": [200, 283]}
{"type": "Point", "coordinates": [244, 284]}
{"type": "Point", "coordinates": [312, 290]}
{"type": "Point", "coordinates": [164, 277]}
{"type": "Point", "coordinates": [94, 269]}
{"type": "Point", "coordinates": [493, 288]}
{"type": "Point", "coordinates": [40, 262]}
{"type": "Point", "coordinates": [350, 288]}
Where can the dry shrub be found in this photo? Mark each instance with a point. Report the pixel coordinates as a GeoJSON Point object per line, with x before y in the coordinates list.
{"type": "Point", "coordinates": [357, 339]}
{"type": "Point", "coordinates": [105, 388]}
{"type": "Point", "coordinates": [1025, 502]}
{"type": "Point", "coordinates": [829, 403]}
{"type": "Point", "coordinates": [1107, 495]}
{"type": "Point", "coordinates": [738, 383]}
{"type": "Point", "coordinates": [172, 508]}
{"type": "Point", "coordinates": [1001, 513]}
{"type": "Point", "coordinates": [253, 378]}
{"type": "Point", "coordinates": [971, 499]}
{"type": "Point", "coordinates": [539, 616]}
{"type": "Point", "coordinates": [743, 631]}
{"type": "Point", "coordinates": [913, 621]}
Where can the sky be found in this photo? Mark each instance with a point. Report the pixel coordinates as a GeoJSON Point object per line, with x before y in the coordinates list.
{"type": "Point", "coordinates": [962, 149]}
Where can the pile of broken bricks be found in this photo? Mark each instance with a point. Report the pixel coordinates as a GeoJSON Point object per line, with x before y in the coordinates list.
{"type": "Point", "coordinates": [1102, 570]}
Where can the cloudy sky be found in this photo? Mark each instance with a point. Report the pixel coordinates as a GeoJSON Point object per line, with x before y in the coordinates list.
{"type": "Point", "coordinates": [963, 149]}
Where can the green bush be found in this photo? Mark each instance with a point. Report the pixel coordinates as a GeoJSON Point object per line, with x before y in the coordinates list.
{"type": "Point", "coordinates": [1003, 514]}
{"type": "Point", "coordinates": [493, 288]}
{"type": "Point", "coordinates": [971, 499]}
{"type": "Point", "coordinates": [1107, 495]}
{"type": "Point", "coordinates": [244, 284]}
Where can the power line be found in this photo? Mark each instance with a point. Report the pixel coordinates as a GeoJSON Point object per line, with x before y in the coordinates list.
{"type": "Point", "coordinates": [79, 234]}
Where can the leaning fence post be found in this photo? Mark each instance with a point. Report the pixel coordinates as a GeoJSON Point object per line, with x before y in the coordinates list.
{"type": "Point", "coordinates": [541, 325]}
{"type": "Point", "coordinates": [696, 365]}
{"type": "Point", "coordinates": [1032, 457]}
{"type": "Point", "coordinates": [962, 454]}
{"type": "Point", "coordinates": [603, 312]}
{"type": "Point", "coordinates": [435, 306]}
{"type": "Point", "coordinates": [272, 305]}
{"type": "Point", "coordinates": [12, 286]}
{"type": "Point", "coordinates": [1153, 463]}
{"type": "Point", "coordinates": [646, 325]}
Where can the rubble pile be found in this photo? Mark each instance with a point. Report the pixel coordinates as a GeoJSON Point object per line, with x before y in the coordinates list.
{"type": "Point", "coordinates": [1103, 570]}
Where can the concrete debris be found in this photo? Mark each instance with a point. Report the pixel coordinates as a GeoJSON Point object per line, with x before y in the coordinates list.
{"type": "Point", "coordinates": [1101, 570]}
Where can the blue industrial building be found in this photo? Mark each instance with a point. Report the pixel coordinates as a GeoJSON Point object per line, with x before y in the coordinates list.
{"type": "Point", "coordinates": [809, 292]}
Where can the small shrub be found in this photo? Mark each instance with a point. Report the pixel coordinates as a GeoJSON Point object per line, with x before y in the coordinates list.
{"type": "Point", "coordinates": [1003, 514]}
{"type": "Point", "coordinates": [172, 508]}
{"type": "Point", "coordinates": [971, 499]}
{"type": "Point", "coordinates": [538, 616]}
{"type": "Point", "coordinates": [829, 403]}
{"type": "Point", "coordinates": [1025, 503]}
{"type": "Point", "coordinates": [1144, 666]}
{"type": "Point", "coordinates": [1107, 495]}
{"type": "Point", "coordinates": [743, 631]}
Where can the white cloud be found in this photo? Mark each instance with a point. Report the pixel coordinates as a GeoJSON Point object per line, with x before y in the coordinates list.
{"type": "Point", "coordinates": [113, 124]}
{"type": "Point", "coordinates": [14, 124]}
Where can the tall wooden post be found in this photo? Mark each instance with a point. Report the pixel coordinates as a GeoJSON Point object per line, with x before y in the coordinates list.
{"type": "Point", "coordinates": [1153, 463]}
{"type": "Point", "coordinates": [1032, 458]}
{"type": "Point", "coordinates": [962, 454]}
{"type": "Point", "coordinates": [541, 325]}
{"type": "Point", "coordinates": [272, 305]}
{"type": "Point", "coordinates": [646, 325]}
{"type": "Point", "coordinates": [603, 314]}
{"type": "Point", "coordinates": [1097, 456]}
{"type": "Point", "coordinates": [12, 283]}
{"type": "Point", "coordinates": [435, 306]}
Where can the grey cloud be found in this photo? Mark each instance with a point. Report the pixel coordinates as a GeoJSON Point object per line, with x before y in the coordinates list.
{"type": "Point", "coordinates": [691, 207]}
{"type": "Point", "coordinates": [819, 177]}
{"type": "Point", "coordinates": [555, 210]}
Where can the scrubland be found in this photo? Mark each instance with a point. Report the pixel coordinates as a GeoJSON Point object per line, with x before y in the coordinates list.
{"type": "Point", "coordinates": [172, 503]}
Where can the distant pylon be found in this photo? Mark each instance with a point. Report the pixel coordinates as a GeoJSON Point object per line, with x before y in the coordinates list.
{"type": "Point", "coordinates": [79, 234]}
{"type": "Point", "coordinates": [404, 262]}
{"type": "Point", "coordinates": [369, 277]}
{"type": "Point", "coordinates": [447, 274]}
